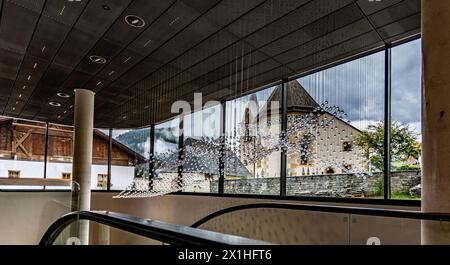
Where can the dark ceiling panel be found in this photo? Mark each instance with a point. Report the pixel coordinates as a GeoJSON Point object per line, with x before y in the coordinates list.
{"type": "Point", "coordinates": [370, 7]}
{"type": "Point", "coordinates": [64, 12]}
{"type": "Point", "coordinates": [75, 48]}
{"type": "Point", "coordinates": [401, 28]}
{"type": "Point", "coordinates": [17, 26]}
{"type": "Point", "coordinates": [185, 46]}
{"type": "Point", "coordinates": [95, 20]}
{"type": "Point", "coordinates": [32, 5]}
{"type": "Point", "coordinates": [229, 10]}
{"type": "Point", "coordinates": [395, 13]}
{"type": "Point", "coordinates": [5, 87]}
{"type": "Point", "coordinates": [9, 64]}
{"type": "Point", "coordinates": [48, 38]}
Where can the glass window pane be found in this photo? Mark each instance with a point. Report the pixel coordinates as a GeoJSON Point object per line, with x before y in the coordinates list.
{"type": "Point", "coordinates": [22, 149]}
{"type": "Point", "coordinates": [165, 178]}
{"type": "Point", "coordinates": [335, 118]}
{"type": "Point", "coordinates": [202, 150]}
{"type": "Point", "coordinates": [60, 154]}
{"type": "Point", "coordinates": [406, 129]}
{"type": "Point", "coordinates": [252, 161]}
{"type": "Point", "coordinates": [130, 153]}
{"type": "Point", "coordinates": [99, 169]}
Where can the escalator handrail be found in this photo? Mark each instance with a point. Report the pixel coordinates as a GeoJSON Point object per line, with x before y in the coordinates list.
{"type": "Point", "coordinates": [329, 209]}
{"type": "Point", "coordinates": [157, 230]}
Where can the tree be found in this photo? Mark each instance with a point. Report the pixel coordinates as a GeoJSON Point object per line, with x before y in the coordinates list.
{"type": "Point", "coordinates": [403, 144]}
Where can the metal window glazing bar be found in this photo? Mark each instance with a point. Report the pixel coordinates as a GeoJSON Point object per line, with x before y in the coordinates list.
{"type": "Point", "coordinates": [151, 160]}
{"type": "Point", "coordinates": [108, 180]}
{"type": "Point", "coordinates": [283, 169]}
{"type": "Point", "coordinates": [45, 151]}
{"type": "Point", "coordinates": [221, 182]}
{"type": "Point", "coordinates": [387, 122]}
{"type": "Point", "coordinates": [180, 150]}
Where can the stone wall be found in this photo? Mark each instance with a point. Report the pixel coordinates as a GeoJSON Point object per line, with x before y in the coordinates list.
{"type": "Point", "coordinates": [338, 185]}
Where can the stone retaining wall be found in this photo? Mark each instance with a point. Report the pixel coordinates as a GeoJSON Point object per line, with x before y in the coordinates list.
{"type": "Point", "coordinates": [339, 185]}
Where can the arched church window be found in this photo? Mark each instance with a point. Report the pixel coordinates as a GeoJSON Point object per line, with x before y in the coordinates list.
{"type": "Point", "coordinates": [247, 124]}
{"type": "Point", "coordinates": [329, 170]}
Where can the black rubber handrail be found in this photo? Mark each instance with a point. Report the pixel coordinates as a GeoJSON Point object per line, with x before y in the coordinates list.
{"type": "Point", "coordinates": [161, 231]}
{"type": "Point", "coordinates": [329, 209]}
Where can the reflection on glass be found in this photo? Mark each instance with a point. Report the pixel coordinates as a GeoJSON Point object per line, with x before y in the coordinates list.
{"type": "Point", "coordinates": [59, 154]}
{"type": "Point", "coordinates": [166, 160]}
{"type": "Point", "coordinates": [202, 150]}
{"type": "Point", "coordinates": [130, 154]}
{"type": "Point", "coordinates": [406, 135]}
{"type": "Point", "coordinates": [22, 150]}
{"type": "Point", "coordinates": [252, 159]}
{"type": "Point", "coordinates": [331, 115]}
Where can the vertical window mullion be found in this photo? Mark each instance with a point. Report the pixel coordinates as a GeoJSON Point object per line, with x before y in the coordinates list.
{"type": "Point", "coordinates": [151, 160]}
{"type": "Point", "coordinates": [387, 122]}
{"type": "Point", "coordinates": [108, 179]}
{"type": "Point", "coordinates": [180, 150]}
{"type": "Point", "coordinates": [283, 128]}
{"type": "Point", "coordinates": [45, 151]}
{"type": "Point", "coordinates": [221, 182]}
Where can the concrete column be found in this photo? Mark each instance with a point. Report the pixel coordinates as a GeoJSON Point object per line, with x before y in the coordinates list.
{"type": "Point", "coordinates": [82, 155]}
{"type": "Point", "coordinates": [436, 118]}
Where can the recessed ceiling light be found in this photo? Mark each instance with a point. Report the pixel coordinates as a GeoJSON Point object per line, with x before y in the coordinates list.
{"type": "Point", "coordinates": [63, 95]}
{"type": "Point", "coordinates": [135, 21]}
{"type": "Point", "coordinates": [97, 59]}
{"type": "Point", "coordinates": [106, 7]}
{"type": "Point", "coordinates": [54, 104]}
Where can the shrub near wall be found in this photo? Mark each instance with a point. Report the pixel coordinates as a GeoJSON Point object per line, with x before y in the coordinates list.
{"type": "Point", "coordinates": [336, 185]}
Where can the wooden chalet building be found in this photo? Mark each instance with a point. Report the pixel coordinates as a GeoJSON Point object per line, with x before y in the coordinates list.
{"type": "Point", "coordinates": [22, 154]}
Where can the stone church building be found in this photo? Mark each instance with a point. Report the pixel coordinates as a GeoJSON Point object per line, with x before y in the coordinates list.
{"type": "Point", "coordinates": [321, 151]}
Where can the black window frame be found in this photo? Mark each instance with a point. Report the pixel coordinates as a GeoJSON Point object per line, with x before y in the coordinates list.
{"type": "Point", "coordinates": [386, 200]}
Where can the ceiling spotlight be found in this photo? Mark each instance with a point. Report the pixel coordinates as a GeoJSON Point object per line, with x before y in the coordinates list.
{"type": "Point", "coordinates": [134, 21]}
{"type": "Point", "coordinates": [97, 59]}
{"type": "Point", "coordinates": [54, 104]}
{"type": "Point", "coordinates": [63, 95]}
{"type": "Point", "coordinates": [106, 7]}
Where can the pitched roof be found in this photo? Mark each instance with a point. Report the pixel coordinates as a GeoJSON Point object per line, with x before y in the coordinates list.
{"type": "Point", "coordinates": [140, 158]}
{"type": "Point", "coordinates": [298, 98]}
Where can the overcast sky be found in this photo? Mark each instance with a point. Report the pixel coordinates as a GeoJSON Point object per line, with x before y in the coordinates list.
{"type": "Point", "coordinates": [358, 87]}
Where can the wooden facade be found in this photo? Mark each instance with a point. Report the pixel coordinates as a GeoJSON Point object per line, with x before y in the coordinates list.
{"type": "Point", "coordinates": [25, 140]}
